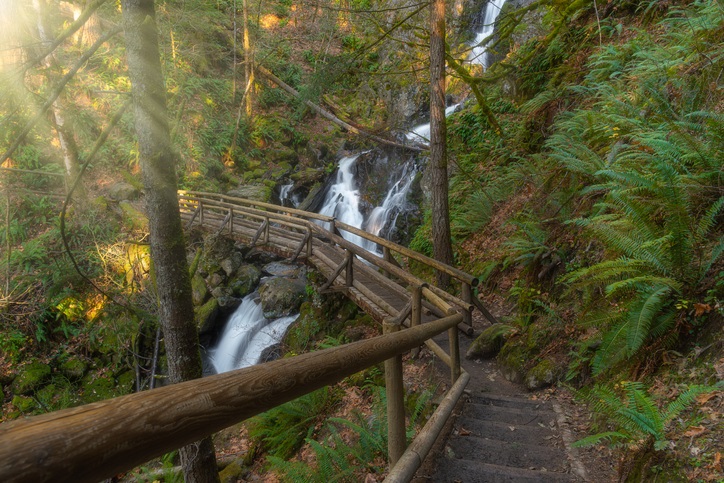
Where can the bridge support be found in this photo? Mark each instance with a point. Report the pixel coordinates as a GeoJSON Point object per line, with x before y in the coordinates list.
{"type": "Point", "coordinates": [396, 439]}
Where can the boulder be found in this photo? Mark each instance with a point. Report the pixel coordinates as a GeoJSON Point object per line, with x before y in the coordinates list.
{"type": "Point", "coordinates": [281, 296]}
{"type": "Point", "coordinates": [31, 378]}
{"type": "Point", "coordinates": [544, 374]}
{"type": "Point", "coordinates": [246, 280]}
{"type": "Point", "coordinates": [225, 298]}
{"type": "Point", "coordinates": [123, 191]}
{"type": "Point", "coordinates": [489, 342]}
{"type": "Point", "coordinates": [206, 316]}
{"type": "Point", "coordinates": [199, 292]}
{"type": "Point", "coordinates": [74, 369]}
{"type": "Point", "coordinates": [281, 269]}
{"type": "Point", "coordinates": [231, 265]}
{"type": "Point", "coordinates": [252, 192]}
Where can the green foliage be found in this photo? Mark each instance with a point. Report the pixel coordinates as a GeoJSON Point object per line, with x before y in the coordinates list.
{"type": "Point", "coordinates": [282, 430]}
{"type": "Point", "coordinates": [634, 414]}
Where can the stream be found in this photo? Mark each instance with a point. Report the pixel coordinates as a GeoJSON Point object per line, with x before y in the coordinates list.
{"type": "Point", "coordinates": [247, 333]}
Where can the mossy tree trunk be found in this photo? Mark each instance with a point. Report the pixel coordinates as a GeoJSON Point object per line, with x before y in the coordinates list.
{"type": "Point", "coordinates": [168, 249]}
{"type": "Point", "coordinates": [442, 245]}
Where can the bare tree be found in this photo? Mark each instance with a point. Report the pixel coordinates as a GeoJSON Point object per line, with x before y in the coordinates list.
{"type": "Point", "coordinates": [442, 245]}
{"type": "Point", "coordinates": [168, 250]}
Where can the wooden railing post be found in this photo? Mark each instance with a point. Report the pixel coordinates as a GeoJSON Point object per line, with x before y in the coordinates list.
{"type": "Point", "coordinates": [349, 274]}
{"type": "Point", "coordinates": [396, 439]}
{"type": "Point", "coordinates": [231, 221]}
{"type": "Point", "coordinates": [266, 231]}
{"type": "Point", "coordinates": [454, 354]}
{"type": "Point", "coordinates": [309, 243]}
{"type": "Point", "coordinates": [201, 212]}
{"type": "Point", "coordinates": [467, 296]}
{"type": "Point", "coordinates": [416, 314]}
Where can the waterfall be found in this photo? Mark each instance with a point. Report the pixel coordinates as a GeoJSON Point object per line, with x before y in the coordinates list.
{"type": "Point", "coordinates": [246, 334]}
{"type": "Point", "coordinates": [479, 54]}
{"type": "Point", "coordinates": [421, 133]}
{"type": "Point", "coordinates": [285, 198]}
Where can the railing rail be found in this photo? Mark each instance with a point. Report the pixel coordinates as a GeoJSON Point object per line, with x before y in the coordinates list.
{"type": "Point", "coordinates": [99, 440]}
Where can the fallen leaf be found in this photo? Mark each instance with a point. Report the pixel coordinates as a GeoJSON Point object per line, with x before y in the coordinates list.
{"type": "Point", "coordinates": [703, 398]}
{"type": "Point", "coordinates": [695, 431]}
{"type": "Point", "coordinates": [512, 428]}
{"type": "Point", "coordinates": [464, 432]}
{"type": "Point", "coordinates": [716, 464]}
{"type": "Point", "coordinates": [701, 309]}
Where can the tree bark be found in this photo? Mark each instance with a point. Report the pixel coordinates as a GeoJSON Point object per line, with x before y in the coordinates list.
{"type": "Point", "coordinates": [442, 245]}
{"type": "Point", "coordinates": [168, 250]}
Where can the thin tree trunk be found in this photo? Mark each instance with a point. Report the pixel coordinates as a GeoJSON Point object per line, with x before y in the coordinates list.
{"type": "Point", "coordinates": [442, 245]}
{"type": "Point", "coordinates": [168, 250]}
{"type": "Point", "coordinates": [248, 62]}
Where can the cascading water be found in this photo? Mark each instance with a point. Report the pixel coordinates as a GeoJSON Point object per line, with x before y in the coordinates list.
{"type": "Point", "coordinates": [246, 334]}
{"type": "Point", "coordinates": [286, 197]}
{"type": "Point", "coordinates": [480, 54]}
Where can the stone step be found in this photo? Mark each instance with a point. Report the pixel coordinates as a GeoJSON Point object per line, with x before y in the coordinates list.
{"type": "Point", "coordinates": [515, 433]}
{"type": "Point", "coordinates": [470, 471]}
{"type": "Point", "coordinates": [510, 402]}
{"type": "Point", "coordinates": [506, 453]}
{"type": "Point", "coordinates": [505, 414]}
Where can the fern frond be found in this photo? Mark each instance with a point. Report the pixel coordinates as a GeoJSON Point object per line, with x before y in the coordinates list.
{"type": "Point", "coordinates": [612, 437]}
{"type": "Point", "coordinates": [645, 309]}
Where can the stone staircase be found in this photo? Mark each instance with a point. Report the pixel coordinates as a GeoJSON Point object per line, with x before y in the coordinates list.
{"type": "Point", "coordinates": [504, 439]}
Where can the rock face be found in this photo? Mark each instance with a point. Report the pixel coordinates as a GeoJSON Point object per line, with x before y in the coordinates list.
{"type": "Point", "coordinates": [489, 342]}
{"type": "Point", "coordinates": [281, 296]}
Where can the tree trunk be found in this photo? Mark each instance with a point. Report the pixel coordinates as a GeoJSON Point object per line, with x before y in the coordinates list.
{"type": "Point", "coordinates": [168, 250]}
{"type": "Point", "coordinates": [64, 132]}
{"type": "Point", "coordinates": [442, 245]}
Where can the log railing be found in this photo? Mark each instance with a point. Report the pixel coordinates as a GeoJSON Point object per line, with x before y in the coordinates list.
{"type": "Point", "coordinates": [99, 440]}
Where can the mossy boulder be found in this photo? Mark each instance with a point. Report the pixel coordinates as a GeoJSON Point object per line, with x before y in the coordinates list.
{"type": "Point", "coordinates": [133, 217]}
{"type": "Point", "coordinates": [256, 192]}
{"type": "Point", "coordinates": [32, 377]}
{"type": "Point", "coordinates": [544, 374]}
{"type": "Point", "coordinates": [282, 296]}
{"type": "Point", "coordinates": [245, 280]}
{"type": "Point", "coordinates": [125, 382]}
{"type": "Point", "coordinates": [199, 291]}
{"type": "Point", "coordinates": [98, 387]}
{"type": "Point", "coordinates": [231, 264]}
{"type": "Point", "coordinates": [24, 404]}
{"type": "Point", "coordinates": [512, 359]}
{"type": "Point", "coordinates": [206, 316]}
{"type": "Point", "coordinates": [123, 191]}
{"type": "Point", "coordinates": [305, 330]}
{"type": "Point", "coordinates": [233, 472]}
{"type": "Point", "coordinates": [489, 342]}
{"type": "Point", "coordinates": [74, 369]}
{"type": "Point", "coordinates": [281, 269]}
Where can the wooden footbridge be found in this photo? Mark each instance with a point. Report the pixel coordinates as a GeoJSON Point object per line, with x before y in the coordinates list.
{"type": "Point", "coordinates": [99, 440]}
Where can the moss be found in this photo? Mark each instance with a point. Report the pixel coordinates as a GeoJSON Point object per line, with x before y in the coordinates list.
{"type": "Point", "coordinates": [31, 378]}
{"type": "Point", "coordinates": [133, 217]}
{"type": "Point", "coordinates": [125, 382]}
{"type": "Point", "coordinates": [24, 404]}
{"type": "Point", "coordinates": [542, 375]}
{"type": "Point", "coordinates": [97, 388]}
{"type": "Point", "coordinates": [74, 369]}
{"type": "Point", "coordinates": [512, 360]}
{"type": "Point", "coordinates": [233, 472]}
{"type": "Point", "coordinates": [199, 291]}
{"type": "Point", "coordinates": [489, 342]}
{"type": "Point", "coordinates": [206, 315]}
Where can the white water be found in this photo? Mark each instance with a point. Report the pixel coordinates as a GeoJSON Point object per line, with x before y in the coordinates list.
{"type": "Point", "coordinates": [284, 192]}
{"type": "Point", "coordinates": [246, 334]}
{"type": "Point", "coordinates": [421, 133]}
{"type": "Point", "coordinates": [483, 37]}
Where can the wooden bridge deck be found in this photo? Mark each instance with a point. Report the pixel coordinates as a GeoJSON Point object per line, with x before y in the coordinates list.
{"type": "Point", "coordinates": [381, 295]}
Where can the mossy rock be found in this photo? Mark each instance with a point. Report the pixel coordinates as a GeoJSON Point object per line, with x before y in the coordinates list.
{"type": "Point", "coordinates": [199, 291]}
{"type": "Point", "coordinates": [126, 382]}
{"type": "Point", "coordinates": [133, 217]}
{"type": "Point", "coordinates": [512, 359]}
{"type": "Point", "coordinates": [246, 279]}
{"type": "Point", "coordinates": [306, 329]}
{"type": "Point", "coordinates": [233, 472]}
{"type": "Point", "coordinates": [24, 404]}
{"type": "Point", "coordinates": [281, 296]}
{"type": "Point", "coordinates": [74, 369]}
{"type": "Point", "coordinates": [488, 344]}
{"type": "Point", "coordinates": [32, 377]}
{"type": "Point", "coordinates": [206, 316]}
{"type": "Point", "coordinates": [98, 388]}
{"type": "Point", "coordinates": [252, 192]}
{"type": "Point", "coordinates": [544, 374]}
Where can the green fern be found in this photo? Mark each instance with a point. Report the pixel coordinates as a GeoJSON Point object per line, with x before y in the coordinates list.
{"type": "Point", "coordinates": [635, 415]}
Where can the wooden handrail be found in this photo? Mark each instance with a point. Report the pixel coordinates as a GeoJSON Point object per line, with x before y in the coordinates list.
{"type": "Point", "coordinates": [98, 440]}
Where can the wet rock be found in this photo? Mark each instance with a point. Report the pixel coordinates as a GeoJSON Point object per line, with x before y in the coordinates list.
{"type": "Point", "coordinates": [246, 280]}
{"type": "Point", "coordinates": [260, 257]}
{"type": "Point", "coordinates": [281, 269]}
{"type": "Point", "coordinates": [231, 265]}
{"type": "Point", "coordinates": [281, 296]}
{"type": "Point", "coordinates": [31, 378]}
{"type": "Point", "coordinates": [206, 316]}
{"type": "Point", "coordinates": [225, 298]}
{"type": "Point", "coordinates": [214, 281]}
